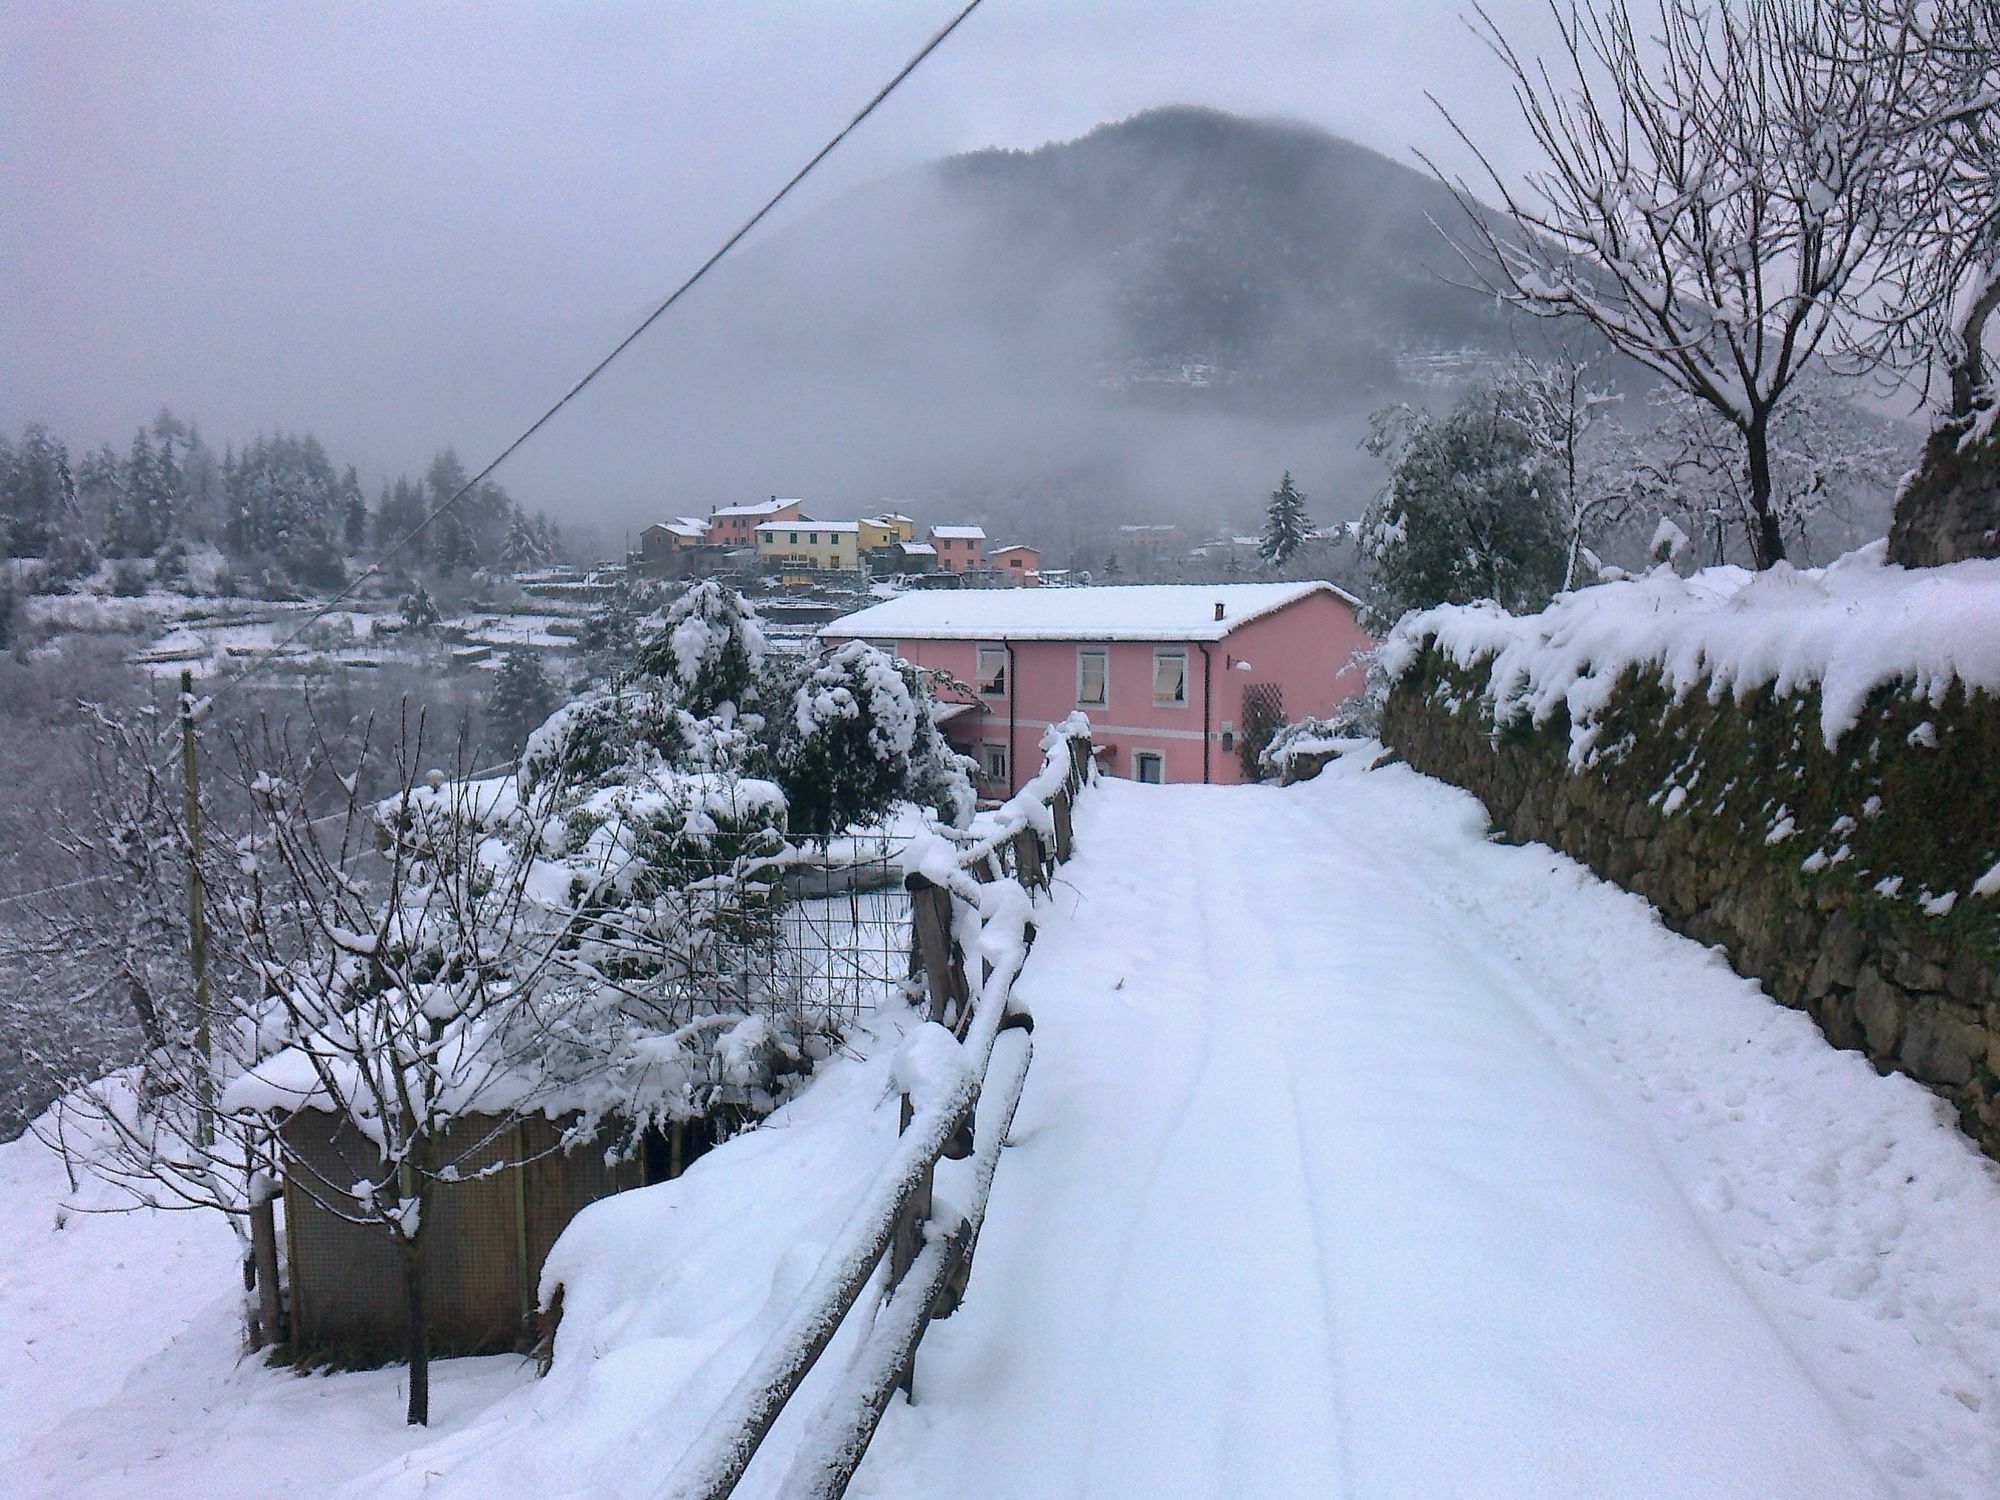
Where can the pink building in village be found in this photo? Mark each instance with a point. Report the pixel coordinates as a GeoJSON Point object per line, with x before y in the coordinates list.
{"type": "Point", "coordinates": [736, 525]}
{"type": "Point", "coordinates": [1170, 674]}
{"type": "Point", "coordinates": [960, 549]}
{"type": "Point", "coordinates": [1016, 566]}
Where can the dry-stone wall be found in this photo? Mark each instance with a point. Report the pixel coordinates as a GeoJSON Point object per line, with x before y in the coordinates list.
{"type": "Point", "coordinates": [1842, 878]}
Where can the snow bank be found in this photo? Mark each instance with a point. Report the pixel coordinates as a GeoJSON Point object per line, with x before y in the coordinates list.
{"type": "Point", "coordinates": [1846, 629]}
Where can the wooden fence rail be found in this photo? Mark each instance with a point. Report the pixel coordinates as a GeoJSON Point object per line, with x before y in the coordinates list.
{"type": "Point", "coordinates": [970, 895]}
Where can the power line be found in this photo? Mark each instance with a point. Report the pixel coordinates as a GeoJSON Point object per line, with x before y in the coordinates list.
{"type": "Point", "coordinates": [881, 94]}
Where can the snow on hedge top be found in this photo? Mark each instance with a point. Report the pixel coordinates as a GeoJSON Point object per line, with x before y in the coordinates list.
{"type": "Point", "coordinates": [1133, 612]}
{"type": "Point", "coordinates": [1847, 629]}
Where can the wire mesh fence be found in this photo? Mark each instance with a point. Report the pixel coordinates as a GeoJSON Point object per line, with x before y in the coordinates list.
{"type": "Point", "coordinates": [844, 941]}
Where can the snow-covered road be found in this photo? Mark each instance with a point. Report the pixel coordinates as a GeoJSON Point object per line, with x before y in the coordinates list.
{"type": "Point", "coordinates": [1363, 1158]}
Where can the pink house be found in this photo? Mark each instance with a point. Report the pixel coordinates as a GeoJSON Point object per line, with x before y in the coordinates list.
{"type": "Point", "coordinates": [1171, 675]}
{"type": "Point", "coordinates": [1017, 566]}
{"type": "Point", "coordinates": [960, 549]}
{"type": "Point", "coordinates": [736, 525]}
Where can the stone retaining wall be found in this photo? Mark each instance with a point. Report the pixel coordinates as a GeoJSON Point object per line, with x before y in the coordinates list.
{"type": "Point", "coordinates": [1841, 879]}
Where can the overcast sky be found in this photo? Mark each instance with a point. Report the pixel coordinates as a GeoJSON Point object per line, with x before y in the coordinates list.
{"type": "Point", "coordinates": [404, 226]}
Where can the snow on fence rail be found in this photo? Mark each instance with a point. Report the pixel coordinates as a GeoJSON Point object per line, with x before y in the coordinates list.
{"type": "Point", "coordinates": [971, 894]}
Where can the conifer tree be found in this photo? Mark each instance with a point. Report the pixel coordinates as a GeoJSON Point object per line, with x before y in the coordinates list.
{"type": "Point", "coordinates": [1286, 527]}
{"type": "Point", "coordinates": [522, 697]}
{"type": "Point", "coordinates": [354, 512]}
{"type": "Point", "coordinates": [420, 611]}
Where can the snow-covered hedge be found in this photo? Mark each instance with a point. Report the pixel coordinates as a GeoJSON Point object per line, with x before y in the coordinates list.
{"type": "Point", "coordinates": [1845, 630]}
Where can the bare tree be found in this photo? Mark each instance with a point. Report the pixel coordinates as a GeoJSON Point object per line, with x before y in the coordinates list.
{"type": "Point", "coordinates": [1940, 290]}
{"type": "Point", "coordinates": [1566, 412]}
{"type": "Point", "coordinates": [1707, 201]}
{"type": "Point", "coordinates": [1822, 453]}
{"type": "Point", "coordinates": [118, 936]}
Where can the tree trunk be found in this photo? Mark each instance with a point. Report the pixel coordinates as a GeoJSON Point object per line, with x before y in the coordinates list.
{"type": "Point", "coordinates": [417, 1345]}
{"type": "Point", "coordinates": [1767, 541]}
{"type": "Point", "coordinates": [1950, 509]}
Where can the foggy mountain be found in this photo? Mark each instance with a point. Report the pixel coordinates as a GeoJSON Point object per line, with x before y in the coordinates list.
{"type": "Point", "coordinates": [1149, 322]}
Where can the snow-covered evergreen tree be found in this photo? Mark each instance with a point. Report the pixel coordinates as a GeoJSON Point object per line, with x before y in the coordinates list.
{"type": "Point", "coordinates": [419, 610]}
{"type": "Point", "coordinates": [522, 697]}
{"type": "Point", "coordinates": [1474, 507]}
{"type": "Point", "coordinates": [353, 512]}
{"type": "Point", "coordinates": [40, 494]}
{"type": "Point", "coordinates": [1286, 527]}
{"type": "Point", "coordinates": [709, 650]}
{"type": "Point", "coordinates": [858, 738]}
{"type": "Point", "coordinates": [522, 548]}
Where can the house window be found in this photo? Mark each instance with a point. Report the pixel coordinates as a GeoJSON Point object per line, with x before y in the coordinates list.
{"type": "Point", "coordinates": [1013, 562]}
{"type": "Point", "coordinates": [1149, 766]}
{"type": "Point", "coordinates": [795, 539]}
{"type": "Point", "coordinates": [992, 671]}
{"type": "Point", "coordinates": [1169, 677]}
{"type": "Point", "coordinates": [1092, 678]}
{"type": "Point", "coordinates": [993, 762]}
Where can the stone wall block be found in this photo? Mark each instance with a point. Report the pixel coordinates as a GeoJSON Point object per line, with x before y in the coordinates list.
{"type": "Point", "coordinates": [1881, 1009]}
{"type": "Point", "coordinates": [1940, 1047]}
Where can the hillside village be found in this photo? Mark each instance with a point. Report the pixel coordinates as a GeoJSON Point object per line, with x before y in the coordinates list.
{"type": "Point", "coordinates": [1288, 878]}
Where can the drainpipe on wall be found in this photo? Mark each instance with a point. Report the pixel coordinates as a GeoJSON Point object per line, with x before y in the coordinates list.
{"type": "Point", "coordinates": [1207, 678]}
{"type": "Point", "coordinates": [1013, 696]}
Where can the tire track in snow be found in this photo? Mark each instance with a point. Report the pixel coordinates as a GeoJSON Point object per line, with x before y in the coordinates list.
{"type": "Point", "coordinates": [1102, 1464]}
{"type": "Point", "coordinates": [1308, 1170]}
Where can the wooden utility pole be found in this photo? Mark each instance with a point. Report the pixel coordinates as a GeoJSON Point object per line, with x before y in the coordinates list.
{"type": "Point", "coordinates": [204, 1078]}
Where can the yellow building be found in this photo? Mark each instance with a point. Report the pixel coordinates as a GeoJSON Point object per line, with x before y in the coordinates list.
{"type": "Point", "coordinates": [810, 546]}
{"type": "Point", "coordinates": [880, 533]}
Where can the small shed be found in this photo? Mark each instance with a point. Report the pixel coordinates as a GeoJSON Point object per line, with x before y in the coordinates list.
{"type": "Point", "coordinates": [483, 1247]}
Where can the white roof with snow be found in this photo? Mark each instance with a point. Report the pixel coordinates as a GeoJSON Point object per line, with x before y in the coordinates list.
{"type": "Point", "coordinates": [1138, 612]}
{"type": "Point", "coordinates": [968, 533]}
{"type": "Point", "coordinates": [814, 525]}
{"type": "Point", "coordinates": [761, 508]}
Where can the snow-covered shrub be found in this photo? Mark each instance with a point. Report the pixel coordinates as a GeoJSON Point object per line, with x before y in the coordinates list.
{"type": "Point", "coordinates": [707, 651]}
{"type": "Point", "coordinates": [859, 737]}
{"type": "Point", "coordinates": [1354, 722]}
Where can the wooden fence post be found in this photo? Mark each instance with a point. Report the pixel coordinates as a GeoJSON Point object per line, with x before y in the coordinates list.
{"type": "Point", "coordinates": [1028, 859]}
{"type": "Point", "coordinates": [930, 915]}
{"type": "Point", "coordinates": [264, 1256]}
{"type": "Point", "coordinates": [908, 1238]}
{"type": "Point", "coordinates": [1064, 827]}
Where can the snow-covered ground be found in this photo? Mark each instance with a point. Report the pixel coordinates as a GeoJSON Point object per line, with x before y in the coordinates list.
{"type": "Point", "coordinates": [1364, 1157]}
{"type": "Point", "coordinates": [119, 1368]}
{"type": "Point", "coordinates": [1361, 1156]}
